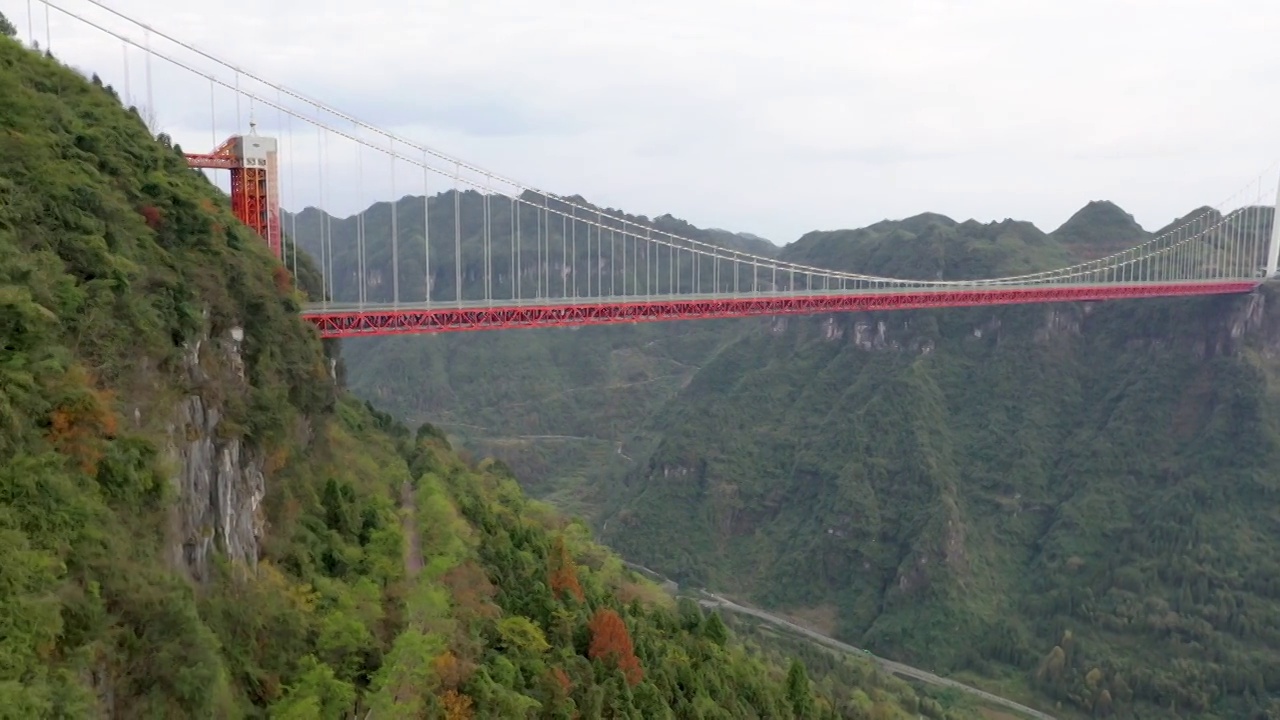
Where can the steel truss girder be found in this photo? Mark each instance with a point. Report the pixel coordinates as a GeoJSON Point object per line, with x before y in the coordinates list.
{"type": "Point", "coordinates": [421, 320]}
{"type": "Point", "coordinates": [213, 161]}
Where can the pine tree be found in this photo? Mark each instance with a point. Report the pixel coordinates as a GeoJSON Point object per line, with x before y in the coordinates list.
{"type": "Point", "coordinates": [715, 631]}
{"type": "Point", "coordinates": [798, 690]}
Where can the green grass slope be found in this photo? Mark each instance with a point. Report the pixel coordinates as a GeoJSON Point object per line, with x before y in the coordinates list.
{"type": "Point", "coordinates": [391, 577]}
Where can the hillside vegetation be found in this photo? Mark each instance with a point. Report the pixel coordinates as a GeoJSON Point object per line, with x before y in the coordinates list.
{"type": "Point", "coordinates": [1071, 501]}
{"type": "Point", "coordinates": [197, 522]}
{"type": "Point", "coordinates": [559, 405]}
{"type": "Point", "coordinates": [1064, 503]}
{"type": "Point", "coordinates": [583, 395]}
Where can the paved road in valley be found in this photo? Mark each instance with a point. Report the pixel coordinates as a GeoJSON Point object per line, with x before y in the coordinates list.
{"type": "Point", "coordinates": [711, 600]}
{"type": "Point", "coordinates": [897, 668]}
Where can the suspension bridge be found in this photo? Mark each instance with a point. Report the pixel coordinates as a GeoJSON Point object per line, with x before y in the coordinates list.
{"type": "Point", "coordinates": [488, 252]}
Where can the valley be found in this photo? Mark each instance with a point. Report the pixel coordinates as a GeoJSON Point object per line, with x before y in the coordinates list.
{"type": "Point", "coordinates": [1058, 510]}
{"type": "Point", "coordinates": [985, 493]}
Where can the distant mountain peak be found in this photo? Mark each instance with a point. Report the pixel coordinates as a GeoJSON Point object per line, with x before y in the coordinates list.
{"type": "Point", "coordinates": [1099, 228]}
{"type": "Point", "coordinates": [928, 218]}
{"type": "Point", "coordinates": [1099, 214]}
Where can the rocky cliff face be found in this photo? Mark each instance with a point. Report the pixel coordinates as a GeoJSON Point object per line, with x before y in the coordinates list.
{"type": "Point", "coordinates": [1250, 318]}
{"type": "Point", "coordinates": [219, 478]}
{"type": "Point", "coordinates": [1222, 332]}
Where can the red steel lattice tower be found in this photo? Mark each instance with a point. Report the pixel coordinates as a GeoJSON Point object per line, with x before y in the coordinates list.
{"type": "Point", "coordinates": [255, 185]}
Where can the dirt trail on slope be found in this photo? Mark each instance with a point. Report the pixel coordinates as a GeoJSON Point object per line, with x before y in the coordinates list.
{"type": "Point", "coordinates": [409, 523]}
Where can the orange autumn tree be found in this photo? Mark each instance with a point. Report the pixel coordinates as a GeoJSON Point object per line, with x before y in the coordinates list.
{"type": "Point", "coordinates": [451, 671]}
{"type": "Point", "coordinates": [457, 706]}
{"type": "Point", "coordinates": [610, 640]}
{"type": "Point", "coordinates": [81, 420]}
{"type": "Point", "coordinates": [564, 574]}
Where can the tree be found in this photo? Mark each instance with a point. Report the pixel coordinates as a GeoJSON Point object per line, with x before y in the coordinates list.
{"type": "Point", "coordinates": [402, 684]}
{"type": "Point", "coordinates": [81, 420]}
{"type": "Point", "coordinates": [1052, 666]}
{"type": "Point", "coordinates": [316, 693]}
{"type": "Point", "coordinates": [564, 574]}
{"type": "Point", "coordinates": [456, 705]}
{"type": "Point", "coordinates": [450, 671]}
{"type": "Point", "coordinates": [520, 634]}
{"type": "Point", "coordinates": [798, 690]}
{"type": "Point", "coordinates": [1102, 708]}
{"type": "Point", "coordinates": [690, 614]}
{"type": "Point", "coordinates": [471, 591]}
{"type": "Point", "coordinates": [610, 640]}
{"type": "Point", "coordinates": [6, 28]}
{"type": "Point", "coordinates": [715, 631]}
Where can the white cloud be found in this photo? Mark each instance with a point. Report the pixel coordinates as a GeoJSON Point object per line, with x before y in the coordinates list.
{"type": "Point", "coordinates": [772, 116]}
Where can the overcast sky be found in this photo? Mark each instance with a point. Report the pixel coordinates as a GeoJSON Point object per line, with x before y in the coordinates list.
{"type": "Point", "coordinates": [774, 117]}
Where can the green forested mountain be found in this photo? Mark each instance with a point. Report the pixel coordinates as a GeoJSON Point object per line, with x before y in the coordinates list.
{"type": "Point", "coordinates": [558, 256]}
{"type": "Point", "coordinates": [1072, 503]}
{"type": "Point", "coordinates": [196, 521]}
{"type": "Point", "coordinates": [566, 407]}
{"type": "Point", "coordinates": [559, 406]}
{"type": "Point", "coordinates": [1068, 502]}
{"type": "Point", "coordinates": [1100, 229]}
{"type": "Point", "coordinates": [1075, 497]}
{"type": "Point", "coordinates": [556, 405]}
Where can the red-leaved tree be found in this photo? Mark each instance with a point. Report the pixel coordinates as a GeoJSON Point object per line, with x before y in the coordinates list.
{"type": "Point", "coordinates": [564, 574]}
{"type": "Point", "coordinates": [151, 214]}
{"type": "Point", "coordinates": [610, 641]}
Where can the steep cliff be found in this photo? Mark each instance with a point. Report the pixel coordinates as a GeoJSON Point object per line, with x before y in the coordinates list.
{"type": "Point", "coordinates": [220, 480]}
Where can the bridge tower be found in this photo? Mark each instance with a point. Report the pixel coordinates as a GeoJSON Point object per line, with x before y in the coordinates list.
{"type": "Point", "coordinates": [255, 181]}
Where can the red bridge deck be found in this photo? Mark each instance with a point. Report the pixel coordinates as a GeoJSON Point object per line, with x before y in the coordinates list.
{"type": "Point", "coordinates": [337, 321]}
